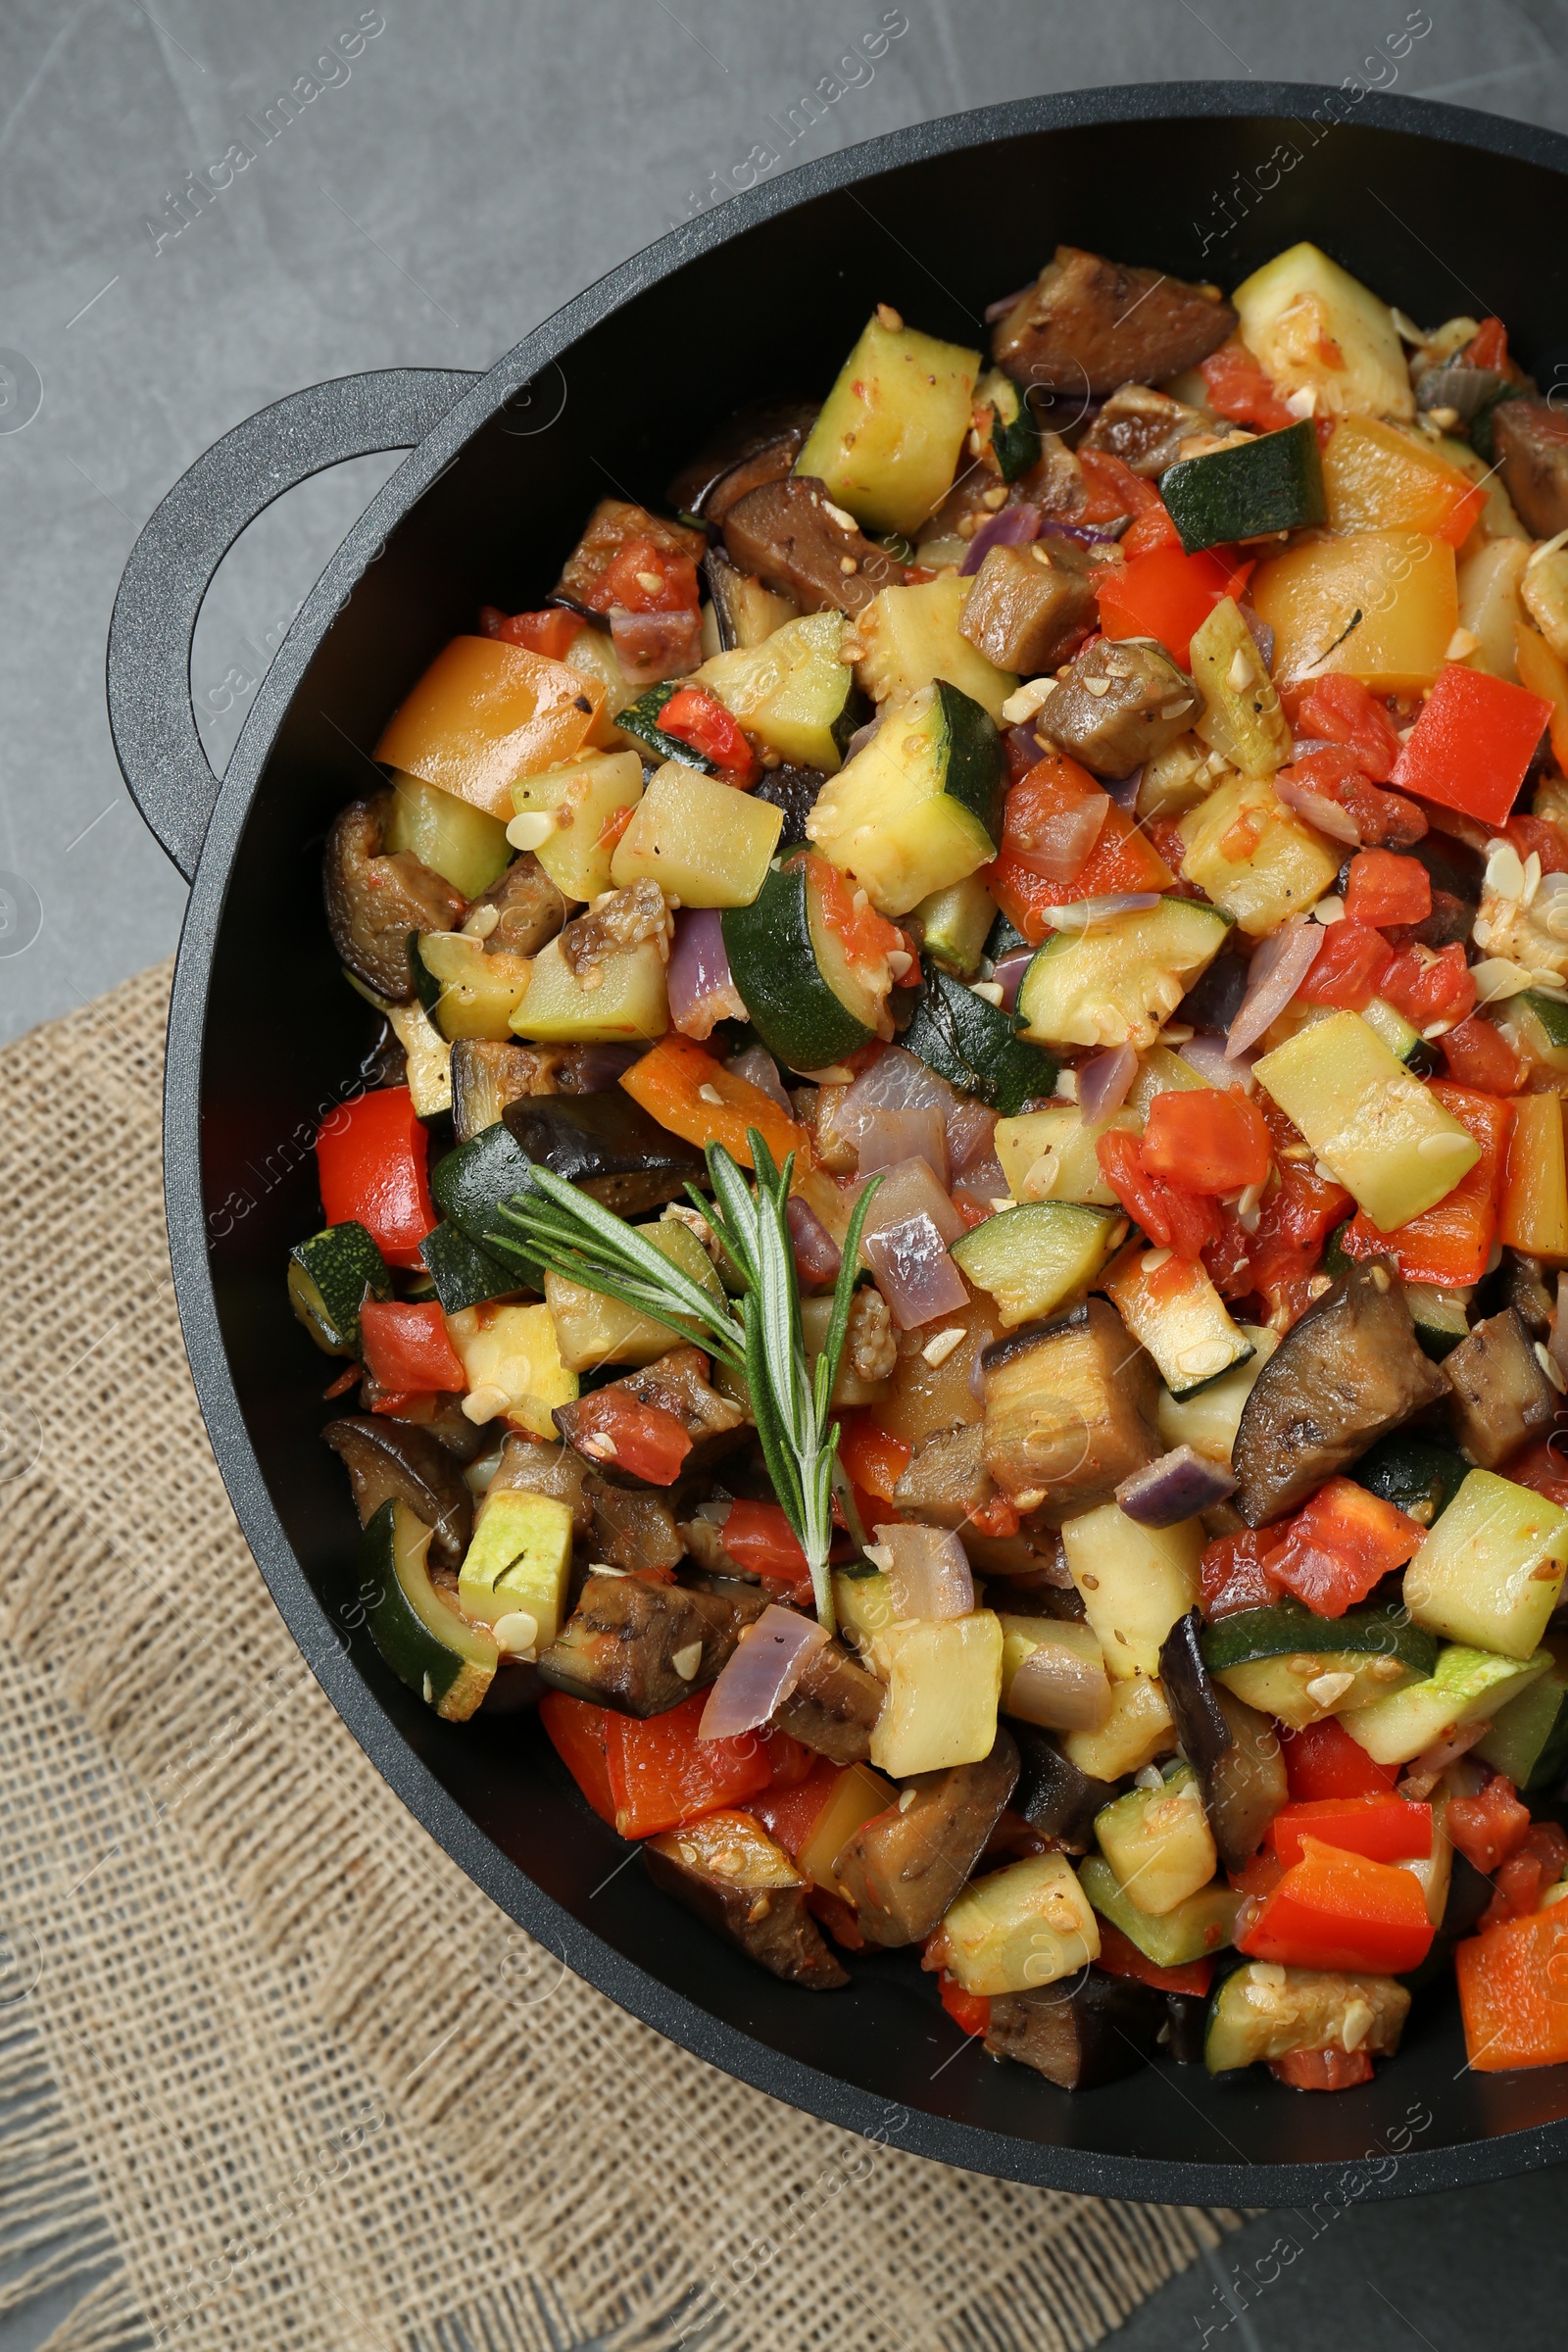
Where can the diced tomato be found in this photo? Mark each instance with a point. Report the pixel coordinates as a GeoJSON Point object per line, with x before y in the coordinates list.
{"type": "Point", "coordinates": [613, 826]}
{"type": "Point", "coordinates": [579, 1733]}
{"type": "Point", "coordinates": [406, 1345]}
{"type": "Point", "coordinates": [1472, 743]}
{"type": "Point", "coordinates": [760, 1537]}
{"type": "Point", "coordinates": [643, 577]}
{"type": "Point", "coordinates": [1336, 709]}
{"type": "Point", "coordinates": [1334, 1909]}
{"type": "Point", "coordinates": [1299, 1212]}
{"type": "Point", "coordinates": [1207, 1141]}
{"type": "Point", "coordinates": [699, 718]}
{"type": "Point", "coordinates": [1381, 819]}
{"type": "Point", "coordinates": [1119, 1956]}
{"type": "Point", "coordinates": [549, 632]}
{"type": "Point", "coordinates": [1324, 1761]}
{"type": "Point", "coordinates": [1122, 859]}
{"type": "Point", "coordinates": [1538, 836]}
{"type": "Point", "coordinates": [643, 1439]}
{"type": "Point", "coordinates": [1450, 1242]}
{"type": "Point", "coordinates": [371, 1159]}
{"type": "Point", "coordinates": [970, 2012]}
{"type": "Point", "coordinates": [789, 1760]}
{"type": "Point", "coordinates": [1385, 888]}
{"type": "Point", "coordinates": [1340, 1545]}
{"type": "Point", "coordinates": [1539, 1863]}
{"type": "Point", "coordinates": [874, 1459]}
{"type": "Point", "coordinates": [1348, 967]}
{"type": "Point", "coordinates": [1479, 1055]}
{"type": "Point", "coordinates": [1387, 1827]}
{"type": "Point", "coordinates": [1322, 2070]}
{"type": "Point", "coordinates": [791, 1812]}
{"type": "Point", "coordinates": [1115, 489]}
{"type": "Point", "coordinates": [1167, 595]}
{"type": "Point", "coordinates": [1232, 1573]}
{"type": "Point", "coordinates": [1258, 1875]}
{"type": "Point", "coordinates": [1487, 347]}
{"type": "Point", "coordinates": [1427, 988]}
{"type": "Point", "coordinates": [1514, 1992]}
{"type": "Point", "coordinates": [1173, 1219]}
{"type": "Point", "coordinates": [662, 1774]}
{"type": "Point", "coordinates": [1490, 1826]}
{"type": "Point", "coordinates": [1238, 388]}
{"type": "Point", "coordinates": [996, 1518]}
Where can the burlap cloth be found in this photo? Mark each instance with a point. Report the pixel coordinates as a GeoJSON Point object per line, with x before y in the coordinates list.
{"type": "Point", "coordinates": [273, 2073]}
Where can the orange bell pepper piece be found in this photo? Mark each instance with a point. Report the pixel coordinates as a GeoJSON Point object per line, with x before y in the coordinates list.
{"type": "Point", "coordinates": [1513, 1992]}
{"type": "Point", "coordinates": [694, 1096]}
{"type": "Point", "coordinates": [1450, 1242]}
{"type": "Point", "coordinates": [486, 713]}
{"type": "Point", "coordinates": [874, 1458]}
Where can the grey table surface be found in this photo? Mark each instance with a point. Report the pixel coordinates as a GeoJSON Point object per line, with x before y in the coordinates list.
{"type": "Point", "coordinates": [474, 166]}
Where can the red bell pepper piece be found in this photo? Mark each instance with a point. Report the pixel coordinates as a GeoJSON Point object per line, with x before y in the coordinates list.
{"type": "Point", "coordinates": [1334, 1909]}
{"type": "Point", "coordinates": [1541, 1467]}
{"type": "Point", "coordinates": [1122, 859]}
{"type": "Point", "coordinates": [1322, 2070]}
{"type": "Point", "coordinates": [1115, 489]}
{"type": "Point", "coordinates": [1336, 709]}
{"type": "Point", "coordinates": [1487, 347]}
{"type": "Point", "coordinates": [1119, 1956]}
{"type": "Point", "coordinates": [1387, 1827]}
{"type": "Point", "coordinates": [1450, 1242]}
{"type": "Point", "coordinates": [661, 1774]}
{"type": "Point", "coordinates": [550, 632]}
{"type": "Point", "coordinates": [970, 2012]}
{"type": "Point", "coordinates": [1239, 389]}
{"type": "Point", "coordinates": [640, 1438]}
{"type": "Point", "coordinates": [626, 577]}
{"type": "Point", "coordinates": [1348, 967]}
{"type": "Point", "coordinates": [1429, 989]}
{"type": "Point", "coordinates": [1538, 834]}
{"type": "Point", "coordinates": [761, 1538]}
{"type": "Point", "coordinates": [875, 1460]}
{"type": "Point", "coordinates": [699, 718]}
{"type": "Point", "coordinates": [1539, 1863]}
{"type": "Point", "coordinates": [1513, 1992]}
{"type": "Point", "coordinates": [1340, 1545]}
{"type": "Point", "coordinates": [1472, 744]}
{"type": "Point", "coordinates": [1490, 1826]}
{"type": "Point", "coordinates": [1479, 1055]}
{"type": "Point", "coordinates": [1167, 595]}
{"type": "Point", "coordinates": [1324, 1761]}
{"type": "Point", "coordinates": [371, 1160]}
{"type": "Point", "coordinates": [1385, 888]}
{"type": "Point", "coordinates": [1173, 1219]}
{"type": "Point", "coordinates": [1232, 1573]}
{"type": "Point", "coordinates": [405, 1345]}
{"type": "Point", "coordinates": [579, 1733]}
{"type": "Point", "coordinates": [1207, 1141]}
{"type": "Point", "coordinates": [790, 1811]}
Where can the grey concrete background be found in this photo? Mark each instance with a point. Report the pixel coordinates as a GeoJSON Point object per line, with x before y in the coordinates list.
{"type": "Point", "coordinates": [474, 166]}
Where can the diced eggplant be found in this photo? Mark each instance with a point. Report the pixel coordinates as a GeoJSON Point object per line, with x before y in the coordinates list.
{"type": "Point", "coordinates": [1145, 428]}
{"type": "Point", "coordinates": [946, 1482]}
{"type": "Point", "coordinates": [627, 1641]}
{"type": "Point", "coordinates": [609, 1145]}
{"type": "Point", "coordinates": [1069, 1408]}
{"type": "Point", "coordinates": [1089, 324]}
{"type": "Point", "coordinates": [745, 612]}
{"type": "Point", "coordinates": [529, 908]}
{"type": "Point", "coordinates": [487, 1074]}
{"type": "Point", "coordinates": [1052, 1795]}
{"type": "Point", "coordinates": [633, 1527]}
{"type": "Point", "coordinates": [1185, 2027]}
{"type": "Point", "coordinates": [768, 434]}
{"type": "Point", "coordinates": [1122, 701]}
{"type": "Point", "coordinates": [1502, 1397]}
{"type": "Point", "coordinates": [1177, 1487]}
{"type": "Point", "coordinates": [1521, 1283]}
{"type": "Point", "coordinates": [385, 1457]}
{"type": "Point", "coordinates": [374, 901]}
{"type": "Point", "coordinates": [529, 1467]}
{"type": "Point", "coordinates": [514, 1687]}
{"type": "Point", "coordinates": [1234, 1750]}
{"type": "Point", "coordinates": [903, 1868]}
{"type": "Point", "coordinates": [1349, 1371]}
{"type": "Point", "coordinates": [728, 1870]}
{"type": "Point", "coordinates": [613, 925]}
{"type": "Point", "coordinates": [834, 1706]}
{"type": "Point", "coordinates": [1529, 442]}
{"type": "Point", "coordinates": [1029, 604]}
{"type": "Point", "coordinates": [794, 791]}
{"type": "Point", "coordinates": [677, 1382]}
{"type": "Point", "coordinates": [1081, 2033]}
{"type": "Point", "coordinates": [783, 533]}
{"type": "Point", "coordinates": [611, 523]}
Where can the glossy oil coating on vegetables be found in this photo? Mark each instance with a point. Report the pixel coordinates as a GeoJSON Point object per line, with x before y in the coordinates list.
{"type": "Point", "coordinates": [948, 1263]}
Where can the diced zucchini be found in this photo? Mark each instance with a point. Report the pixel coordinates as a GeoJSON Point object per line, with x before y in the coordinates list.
{"type": "Point", "coordinates": [792, 693]}
{"type": "Point", "coordinates": [1253, 857]}
{"type": "Point", "coordinates": [1117, 983]}
{"type": "Point", "coordinates": [1467, 1685]}
{"type": "Point", "coordinates": [1529, 1736]}
{"type": "Point", "coordinates": [912, 637]}
{"type": "Point", "coordinates": [329, 1278]}
{"type": "Point", "coordinates": [1049, 1155]}
{"type": "Point", "coordinates": [862, 1607]}
{"type": "Point", "coordinates": [1489, 1572]}
{"type": "Point", "coordinates": [1075, 1694]}
{"type": "Point", "coordinates": [1274, 483]}
{"type": "Point", "coordinates": [1537, 1027]}
{"type": "Point", "coordinates": [1385, 1136]}
{"type": "Point", "coordinates": [1207, 1419]}
{"type": "Point", "coordinates": [1014, 434]}
{"type": "Point", "coordinates": [1258, 2014]}
{"type": "Point", "coordinates": [515, 1572]}
{"type": "Point", "coordinates": [639, 722]}
{"type": "Point", "coordinates": [1242, 718]}
{"type": "Point", "coordinates": [428, 1645]}
{"type": "Point", "coordinates": [1298, 1667]}
{"type": "Point", "coordinates": [1176, 779]}
{"type": "Point", "coordinates": [475, 995]}
{"type": "Point", "coordinates": [1135, 1581]}
{"type": "Point", "coordinates": [427, 1056]}
{"type": "Point", "coordinates": [1030, 1924]}
{"type": "Point", "coordinates": [471, 1184]}
{"type": "Point", "coordinates": [1316, 328]}
{"type": "Point", "coordinates": [704, 843]}
{"type": "Point", "coordinates": [1174, 1311]}
{"type": "Point", "coordinates": [808, 1004]}
{"type": "Point", "coordinates": [952, 925]}
{"type": "Point", "coordinates": [975, 1046]}
{"type": "Point", "coordinates": [1137, 1729]}
{"type": "Point", "coordinates": [944, 1680]}
{"type": "Point", "coordinates": [1417, 1477]}
{"type": "Point", "coordinates": [631, 1000]}
{"type": "Point", "coordinates": [593, 1329]}
{"type": "Point", "coordinates": [887, 438]}
{"type": "Point", "coordinates": [584, 799]}
{"type": "Point", "coordinates": [1032, 1258]}
{"type": "Point", "coordinates": [1160, 1071]}
{"type": "Point", "coordinates": [857, 1796]}
{"type": "Point", "coordinates": [1405, 1044]}
{"type": "Point", "coordinates": [592, 655]}
{"type": "Point", "coordinates": [514, 1349]}
{"type": "Point", "coordinates": [920, 807]}
{"type": "Point", "coordinates": [1190, 1931]}
{"type": "Point", "coordinates": [450, 836]}
{"type": "Point", "coordinates": [1158, 1841]}
{"type": "Point", "coordinates": [464, 1272]}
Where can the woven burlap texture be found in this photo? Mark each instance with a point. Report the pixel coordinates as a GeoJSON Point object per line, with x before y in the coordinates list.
{"type": "Point", "coordinates": [278, 2075]}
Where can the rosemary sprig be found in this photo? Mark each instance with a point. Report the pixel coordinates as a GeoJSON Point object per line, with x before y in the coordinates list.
{"type": "Point", "coordinates": [759, 1334]}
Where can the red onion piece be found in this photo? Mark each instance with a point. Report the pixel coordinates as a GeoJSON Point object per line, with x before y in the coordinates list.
{"type": "Point", "coordinates": [863, 736]}
{"type": "Point", "coordinates": [1104, 1083]}
{"type": "Point", "coordinates": [1008, 302]}
{"type": "Point", "coordinates": [1059, 847]}
{"type": "Point", "coordinates": [1277, 970]}
{"type": "Point", "coordinates": [1086, 534]}
{"type": "Point", "coordinates": [1059, 1689]}
{"type": "Point", "coordinates": [759, 1068]}
{"type": "Point", "coordinates": [1009, 972]}
{"type": "Point", "coordinates": [1089, 915]}
{"type": "Point", "coordinates": [909, 1189]}
{"type": "Point", "coordinates": [1177, 1487]}
{"type": "Point", "coordinates": [889, 1136]}
{"type": "Point", "coordinates": [1012, 526]}
{"type": "Point", "coordinates": [981, 1183]}
{"type": "Point", "coordinates": [915, 1273]}
{"type": "Point", "coordinates": [928, 1570]}
{"type": "Point", "coordinates": [594, 1069]}
{"type": "Point", "coordinates": [817, 1256]}
{"type": "Point", "coordinates": [1125, 793]}
{"type": "Point", "coordinates": [762, 1671]}
{"type": "Point", "coordinates": [898, 1081]}
{"type": "Point", "coordinates": [1263, 633]}
{"type": "Point", "coordinates": [1025, 743]}
{"type": "Point", "coordinates": [700, 990]}
{"type": "Point", "coordinates": [651, 646]}
{"type": "Point", "coordinates": [1208, 1055]}
{"type": "Point", "coordinates": [1318, 809]}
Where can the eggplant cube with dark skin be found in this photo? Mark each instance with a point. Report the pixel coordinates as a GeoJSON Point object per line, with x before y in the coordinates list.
{"type": "Point", "coordinates": [1069, 1408]}
{"type": "Point", "coordinates": [1122, 701]}
{"type": "Point", "coordinates": [1079, 2034]}
{"type": "Point", "coordinates": [1028, 604]}
{"type": "Point", "coordinates": [1234, 1749]}
{"type": "Point", "coordinates": [1089, 324]}
{"type": "Point", "coordinates": [834, 1706]}
{"type": "Point", "coordinates": [1502, 1397]}
{"type": "Point", "coordinates": [640, 1647]}
{"type": "Point", "coordinates": [1051, 1794]}
{"type": "Point", "coordinates": [1530, 440]}
{"type": "Point", "coordinates": [784, 534]}
{"type": "Point", "coordinates": [903, 1868]}
{"type": "Point", "coordinates": [386, 1458]}
{"type": "Point", "coordinates": [1145, 428]}
{"type": "Point", "coordinates": [729, 1870]}
{"type": "Point", "coordinates": [373, 902]}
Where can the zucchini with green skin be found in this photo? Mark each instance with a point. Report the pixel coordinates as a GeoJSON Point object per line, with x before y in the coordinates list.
{"type": "Point", "coordinates": [975, 1046]}
{"type": "Point", "coordinates": [792, 693]}
{"type": "Point", "coordinates": [1014, 435]}
{"type": "Point", "coordinates": [1033, 1257]}
{"type": "Point", "coordinates": [1536, 1028]}
{"type": "Point", "coordinates": [1466, 1685]}
{"type": "Point", "coordinates": [1192, 1929]}
{"type": "Point", "coordinates": [920, 807]}
{"type": "Point", "coordinates": [887, 438]}
{"type": "Point", "coordinates": [1175, 1312]}
{"type": "Point", "coordinates": [1440, 1319]}
{"type": "Point", "coordinates": [1529, 1735]}
{"type": "Point", "coordinates": [805, 1003]}
{"type": "Point", "coordinates": [1490, 1573]}
{"type": "Point", "coordinates": [1158, 1842]}
{"type": "Point", "coordinates": [1287, 1662]}
{"type": "Point", "coordinates": [514, 1572]}
{"type": "Point", "coordinates": [1258, 2013]}
{"type": "Point", "coordinates": [641, 719]}
{"type": "Point", "coordinates": [329, 1278]}
{"type": "Point", "coordinates": [1274, 483]}
{"type": "Point", "coordinates": [428, 1645]}
{"type": "Point", "coordinates": [1116, 983]}
{"type": "Point", "coordinates": [464, 1272]}
{"type": "Point", "coordinates": [1417, 1477]}
{"type": "Point", "coordinates": [952, 926]}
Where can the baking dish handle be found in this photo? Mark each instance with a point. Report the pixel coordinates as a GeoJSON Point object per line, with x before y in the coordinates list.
{"type": "Point", "coordinates": [176, 557]}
